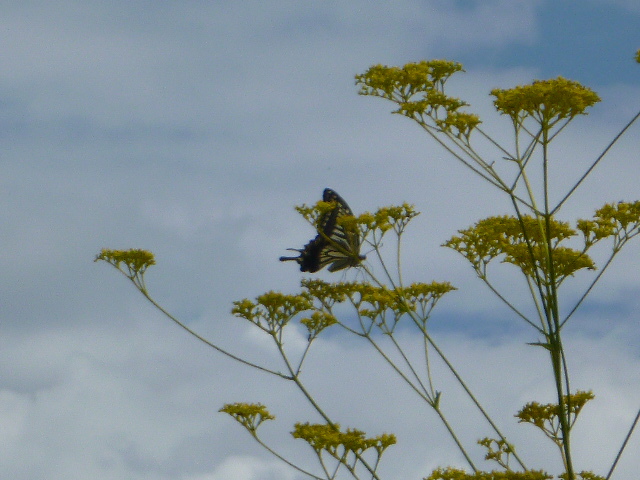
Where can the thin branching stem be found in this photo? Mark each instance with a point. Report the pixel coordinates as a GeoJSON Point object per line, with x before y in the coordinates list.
{"type": "Point", "coordinates": [507, 302]}
{"type": "Point", "coordinates": [409, 365]}
{"type": "Point", "coordinates": [400, 373]}
{"type": "Point", "coordinates": [208, 343]}
{"type": "Point", "coordinates": [454, 372]}
{"type": "Point", "coordinates": [302, 358]}
{"type": "Point", "coordinates": [469, 393]}
{"type": "Point", "coordinates": [399, 258]}
{"type": "Point", "coordinates": [586, 293]}
{"type": "Point", "coordinates": [458, 157]}
{"type": "Point", "coordinates": [280, 457]}
{"type": "Point", "coordinates": [596, 162]}
{"type": "Point", "coordinates": [493, 142]}
{"type": "Point", "coordinates": [316, 406]}
{"type": "Point", "coordinates": [624, 444]}
{"type": "Point", "coordinates": [427, 363]}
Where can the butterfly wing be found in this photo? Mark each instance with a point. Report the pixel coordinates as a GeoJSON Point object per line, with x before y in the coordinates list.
{"type": "Point", "coordinates": [335, 246]}
{"type": "Point", "coordinates": [342, 249]}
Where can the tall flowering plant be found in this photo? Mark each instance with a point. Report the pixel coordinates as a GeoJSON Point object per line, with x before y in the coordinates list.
{"type": "Point", "coordinates": [532, 240]}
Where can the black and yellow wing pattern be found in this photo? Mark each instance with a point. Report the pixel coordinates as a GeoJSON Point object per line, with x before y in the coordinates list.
{"type": "Point", "coordinates": [335, 245]}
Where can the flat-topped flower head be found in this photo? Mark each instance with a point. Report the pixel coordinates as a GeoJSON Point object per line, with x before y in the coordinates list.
{"type": "Point", "coordinates": [548, 101]}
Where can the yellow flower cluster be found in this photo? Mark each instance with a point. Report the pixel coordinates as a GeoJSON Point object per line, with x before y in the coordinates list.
{"type": "Point", "coordinates": [459, 474]}
{"type": "Point", "coordinates": [376, 302]}
{"type": "Point", "coordinates": [384, 219]}
{"type": "Point", "coordinates": [131, 263]}
{"type": "Point", "coordinates": [523, 242]}
{"type": "Point", "coordinates": [619, 220]}
{"type": "Point", "coordinates": [546, 100]}
{"type": "Point", "coordinates": [136, 261]}
{"type": "Point", "coordinates": [318, 322]}
{"type": "Point", "coordinates": [249, 415]}
{"type": "Point", "coordinates": [418, 90]}
{"type": "Point", "coordinates": [272, 310]}
{"type": "Point", "coordinates": [546, 416]}
{"type": "Point", "coordinates": [330, 439]}
{"type": "Point", "coordinates": [389, 82]}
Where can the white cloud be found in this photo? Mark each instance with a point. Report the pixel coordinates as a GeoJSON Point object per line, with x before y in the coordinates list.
{"type": "Point", "coordinates": [143, 402]}
{"type": "Point", "coordinates": [246, 468]}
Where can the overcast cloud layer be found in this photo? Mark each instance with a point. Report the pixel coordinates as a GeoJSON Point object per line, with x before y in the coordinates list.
{"type": "Point", "coordinates": [192, 129]}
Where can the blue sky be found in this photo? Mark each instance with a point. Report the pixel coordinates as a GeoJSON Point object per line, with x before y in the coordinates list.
{"type": "Point", "coordinates": [589, 44]}
{"type": "Point", "coordinates": [192, 129]}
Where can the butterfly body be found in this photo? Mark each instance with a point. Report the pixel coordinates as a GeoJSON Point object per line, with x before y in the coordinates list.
{"type": "Point", "coordinates": [335, 245]}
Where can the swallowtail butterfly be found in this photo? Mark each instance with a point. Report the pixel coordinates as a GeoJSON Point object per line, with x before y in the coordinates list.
{"type": "Point", "coordinates": [335, 245]}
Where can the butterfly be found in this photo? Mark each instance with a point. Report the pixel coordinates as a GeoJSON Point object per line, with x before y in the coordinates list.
{"type": "Point", "coordinates": [335, 245]}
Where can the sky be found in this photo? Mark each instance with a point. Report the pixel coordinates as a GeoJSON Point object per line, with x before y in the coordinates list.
{"type": "Point", "coordinates": [191, 129]}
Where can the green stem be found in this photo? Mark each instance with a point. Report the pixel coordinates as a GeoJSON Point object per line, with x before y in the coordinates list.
{"type": "Point", "coordinates": [204, 340]}
{"type": "Point", "coordinates": [424, 395]}
{"type": "Point", "coordinates": [311, 400]}
{"type": "Point", "coordinates": [470, 394]}
{"type": "Point", "coordinates": [624, 444]}
{"type": "Point", "coordinates": [507, 302]}
{"type": "Point", "coordinates": [331, 423]}
{"type": "Point", "coordinates": [600, 157]}
{"type": "Point", "coordinates": [428, 367]}
{"type": "Point", "coordinates": [593, 284]}
{"type": "Point", "coordinates": [455, 374]}
{"type": "Point", "coordinates": [455, 438]}
{"type": "Point", "coordinates": [408, 363]}
{"type": "Point", "coordinates": [489, 179]}
{"type": "Point", "coordinates": [280, 457]}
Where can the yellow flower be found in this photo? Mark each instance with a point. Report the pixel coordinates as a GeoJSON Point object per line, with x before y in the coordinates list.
{"type": "Point", "coordinates": [548, 101]}
{"type": "Point", "coordinates": [249, 415]}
